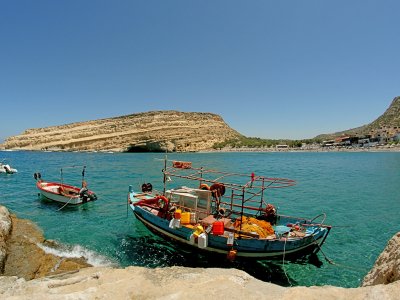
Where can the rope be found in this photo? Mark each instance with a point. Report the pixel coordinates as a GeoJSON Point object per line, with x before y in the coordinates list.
{"type": "Point", "coordinates": [334, 263]}
{"type": "Point", "coordinates": [330, 261]}
{"type": "Point", "coordinates": [283, 262]}
{"type": "Point", "coordinates": [65, 204]}
{"type": "Point", "coordinates": [320, 249]}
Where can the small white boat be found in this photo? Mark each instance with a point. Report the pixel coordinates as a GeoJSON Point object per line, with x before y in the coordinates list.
{"type": "Point", "coordinates": [64, 193]}
{"type": "Point", "coordinates": [6, 168]}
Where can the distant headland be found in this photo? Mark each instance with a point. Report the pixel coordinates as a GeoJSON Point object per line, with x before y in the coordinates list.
{"type": "Point", "coordinates": [174, 131]}
{"type": "Point", "coordinates": [155, 131]}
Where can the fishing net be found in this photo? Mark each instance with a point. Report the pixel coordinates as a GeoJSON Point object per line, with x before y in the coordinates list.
{"type": "Point", "coordinates": [249, 224]}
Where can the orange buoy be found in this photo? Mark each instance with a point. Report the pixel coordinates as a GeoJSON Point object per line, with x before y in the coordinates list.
{"type": "Point", "coordinates": [204, 186]}
{"type": "Point", "coordinates": [231, 254]}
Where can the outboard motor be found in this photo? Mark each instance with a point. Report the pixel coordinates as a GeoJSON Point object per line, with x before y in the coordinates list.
{"type": "Point", "coordinates": [84, 194]}
{"type": "Point", "coordinates": [92, 197]}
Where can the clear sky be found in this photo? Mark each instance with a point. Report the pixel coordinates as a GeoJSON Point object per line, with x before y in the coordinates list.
{"type": "Point", "coordinates": [271, 69]}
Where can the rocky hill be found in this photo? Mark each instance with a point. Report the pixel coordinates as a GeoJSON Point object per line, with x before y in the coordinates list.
{"type": "Point", "coordinates": [387, 124]}
{"type": "Point", "coordinates": [150, 131]}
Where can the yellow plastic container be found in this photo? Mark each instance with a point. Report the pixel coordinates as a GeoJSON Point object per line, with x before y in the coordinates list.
{"type": "Point", "coordinates": [185, 218]}
{"type": "Point", "coordinates": [198, 230]}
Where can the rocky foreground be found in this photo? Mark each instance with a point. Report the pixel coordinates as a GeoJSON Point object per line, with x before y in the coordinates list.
{"type": "Point", "coordinates": [150, 131]}
{"type": "Point", "coordinates": [25, 279]}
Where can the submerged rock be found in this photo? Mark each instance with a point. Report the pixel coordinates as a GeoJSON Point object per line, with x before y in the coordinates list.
{"type": "Point", "coordinates": [24, 255]}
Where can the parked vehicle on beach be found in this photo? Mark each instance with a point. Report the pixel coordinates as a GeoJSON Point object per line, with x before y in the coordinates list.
{"type": "Point", "coordinates": [225, 213]}
{"type": "Point", "coordinates": [64, 193]}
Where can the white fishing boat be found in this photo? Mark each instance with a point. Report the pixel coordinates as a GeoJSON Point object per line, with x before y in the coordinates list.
{"type": "Point", "coordinates": [64, 193]}
{"type": "Point", "coordinates": [6, 168]}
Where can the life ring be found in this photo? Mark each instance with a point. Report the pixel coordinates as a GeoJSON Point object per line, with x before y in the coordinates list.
{"type": "Point", "coordinates": [221, 212]}
{"type": "Point", "coordinates": [204, 186]}
{"type": "Point", "coordinates": [147, 187]}
{"type": "Point", "coordinates": [181, 164]}
{"type": "Point", "coordinates": [162, 202]}
{"type": "Point", "coordinates": [217, 189]}
{"type": "Point", "coordinates": [172, 209]}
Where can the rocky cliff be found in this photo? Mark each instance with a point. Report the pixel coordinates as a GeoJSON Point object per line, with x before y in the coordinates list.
{"type": "Point", "coordinates": [166, 283]}
{"type": "Point", "coordinates": [22, 251]}
{"type": "Point", "coordinates": [387, 266]}
{"type": "Point", "coordinates": [150, 131]}
{"type": "Point", "coordinates": [387, 124]}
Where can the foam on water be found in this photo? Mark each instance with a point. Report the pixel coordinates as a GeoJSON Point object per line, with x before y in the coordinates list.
{"type": "Point", "coordinates": [77, 251]}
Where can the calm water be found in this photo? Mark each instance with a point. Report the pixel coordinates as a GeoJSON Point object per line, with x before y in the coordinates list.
{"type": "Point", "coordinates": [359, 192]}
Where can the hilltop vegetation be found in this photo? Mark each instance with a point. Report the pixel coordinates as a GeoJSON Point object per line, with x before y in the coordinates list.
{"type": "Point", "coordinates": [388, 124]}
{"type": "Point", "coordinates": [179, 132]}
{"type": "Point", "coordinates": [254, 142]}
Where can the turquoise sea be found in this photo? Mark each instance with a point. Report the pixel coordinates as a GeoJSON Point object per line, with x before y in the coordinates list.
{"type": "Point", "coordinates": [359, 192]}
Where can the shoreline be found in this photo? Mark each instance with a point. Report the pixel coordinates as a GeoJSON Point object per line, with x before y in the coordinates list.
{"type": "Point", "coordinates": [227, 150]}
{"type": "Point", "coordinates": [312, 150]}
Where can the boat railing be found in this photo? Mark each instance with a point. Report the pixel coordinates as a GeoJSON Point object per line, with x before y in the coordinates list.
{"type": "Point", "coordinates": [244, 194]}
{"type": "Point", "coordinates": [201, 175]}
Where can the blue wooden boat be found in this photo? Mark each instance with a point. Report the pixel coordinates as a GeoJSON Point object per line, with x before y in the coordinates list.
{"type": "Point", "coordinates": [225, 213]}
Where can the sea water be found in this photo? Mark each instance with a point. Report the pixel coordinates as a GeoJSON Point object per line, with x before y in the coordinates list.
{"type": "Point", "coordinates": [359, 192]}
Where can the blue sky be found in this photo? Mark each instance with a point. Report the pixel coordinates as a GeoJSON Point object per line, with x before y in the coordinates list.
{"type": "Point", "coordinates": [271, 69]}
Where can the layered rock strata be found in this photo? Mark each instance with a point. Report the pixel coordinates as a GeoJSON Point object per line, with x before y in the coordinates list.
{"type": "Point", "coordinates": [150, 131]}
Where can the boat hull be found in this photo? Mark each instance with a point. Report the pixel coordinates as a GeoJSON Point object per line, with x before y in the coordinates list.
{"type": "Point", "coordinates": [51, 191]}
{"type": "Point", "coordinates": [245, 247]}
{"type": "Point", "coordinates": [6, 169]}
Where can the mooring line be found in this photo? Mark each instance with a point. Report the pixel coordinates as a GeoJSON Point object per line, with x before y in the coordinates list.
{"type": "Point", "coordinates": [283, 262]}
{"type": "Point", "coordinates": [330, 261]}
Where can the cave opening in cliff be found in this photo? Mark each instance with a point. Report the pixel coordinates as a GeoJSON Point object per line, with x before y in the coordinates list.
{"type": "Point", "coordinates": [142, 149]}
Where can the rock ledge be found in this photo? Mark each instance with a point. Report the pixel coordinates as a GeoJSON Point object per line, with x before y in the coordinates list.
{"type": "Point", "coordinates": [77, 281]}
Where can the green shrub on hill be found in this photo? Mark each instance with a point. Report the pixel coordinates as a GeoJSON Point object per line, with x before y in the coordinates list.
{"type": "Point", "coordinates": [254, 142]}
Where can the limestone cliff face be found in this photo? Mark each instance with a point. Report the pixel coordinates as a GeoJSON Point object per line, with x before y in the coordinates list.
{"type": "Point", "coordinates": [150, 131]}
